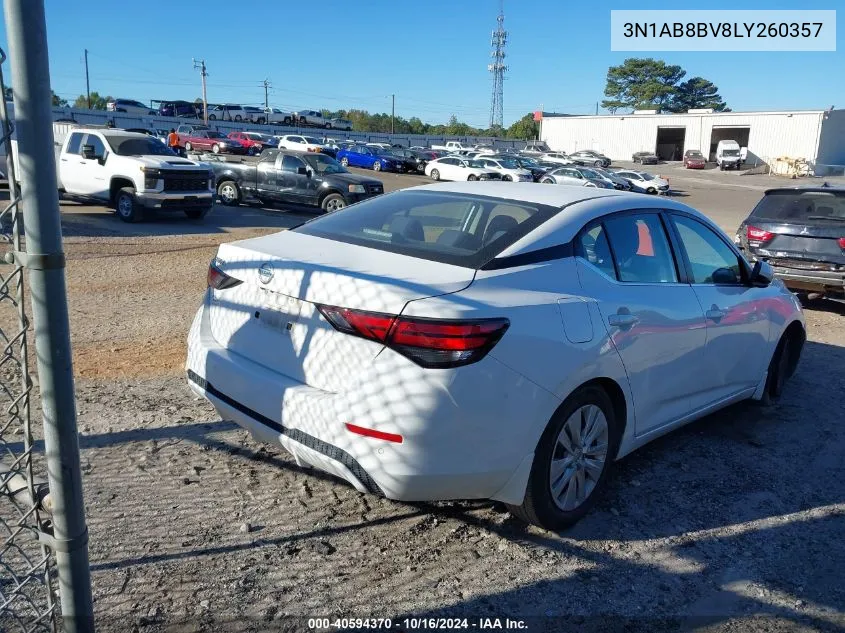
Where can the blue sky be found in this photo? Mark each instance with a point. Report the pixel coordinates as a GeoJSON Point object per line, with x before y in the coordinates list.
{"type": "Point", "coordinates": [431, 54]}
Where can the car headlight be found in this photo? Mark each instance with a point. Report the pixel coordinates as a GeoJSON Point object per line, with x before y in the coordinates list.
{"type": "Point", "coordinates": [151, 177]}
{"type": "Point", "coordinates": [357, 189]}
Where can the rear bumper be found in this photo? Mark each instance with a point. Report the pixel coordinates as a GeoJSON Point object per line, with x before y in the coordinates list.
{"type": "Point", "coordinates": [466, 432]}
{"type": "Point", "coordinates": [811, 280]}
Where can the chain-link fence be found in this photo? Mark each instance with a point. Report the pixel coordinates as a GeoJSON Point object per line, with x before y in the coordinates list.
{"type": "Point", "coordinates": [27, 569]}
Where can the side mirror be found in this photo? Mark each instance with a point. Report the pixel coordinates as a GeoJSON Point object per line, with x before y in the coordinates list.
{"type": "Point", "coordinates": [724, 276]}
{"type": "Point", "coordinates": [302, 171]}
{"type": "Point", "coordinates": [88, 152]}
{"type": "Point", "coordinates": [762, 274]}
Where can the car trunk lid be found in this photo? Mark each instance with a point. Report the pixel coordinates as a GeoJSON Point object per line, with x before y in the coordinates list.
{"type": "Point", "coordinates": [272, 316]}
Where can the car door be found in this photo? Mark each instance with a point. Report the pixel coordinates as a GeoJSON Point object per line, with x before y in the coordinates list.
{"type": "Point", "coordinates": [625, 262]}
{"type": "Point", "coordinates": [294, 186]}
{"type": "Point", "coordinates": [735, 312]}
{"type": "Point", "coordinates": [93, 180]}
{"type": "Point", "coordinates": [71, 163]}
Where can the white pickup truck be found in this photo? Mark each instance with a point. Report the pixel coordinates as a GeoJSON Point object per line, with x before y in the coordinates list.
{"type": "Point", "coordinates": [453, 146]}
{"type": "Point", "coordinates": [131, 172]}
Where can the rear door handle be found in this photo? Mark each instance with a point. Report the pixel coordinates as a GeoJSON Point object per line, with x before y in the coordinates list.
{"type": "Point", "coordinates": [623, 321]}
{"type": "Point", "coordinates": [715, 314]}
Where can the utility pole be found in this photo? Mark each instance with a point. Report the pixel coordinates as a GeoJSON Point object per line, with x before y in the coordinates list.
{"type": "Point", "coordinates": [267, 86]}
{"type": "Point", "coordinates": [392, 113]}
{"type": "Point", "coordinates": [26, 31]}
{"type": "Point", "coordinates": [201, 66]}
{"type": "Point", "coordinates": [87, 85]}
{"type": "Point", "coordinates": [597, 108]}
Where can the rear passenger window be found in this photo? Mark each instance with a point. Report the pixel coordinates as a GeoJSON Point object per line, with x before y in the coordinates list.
{"type": "Point", "coordinates": [75, 143]}
{"type": "Point", "coordinates": [641, 249]}
{"type": "Point", "coordinates": [595, 249]}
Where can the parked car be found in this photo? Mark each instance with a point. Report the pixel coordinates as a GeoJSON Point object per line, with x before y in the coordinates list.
{"type": "Point", "coordinates": [536, 148]}
{"type": "Point", "coordinates": [309, 117]}
{"type": "Point", "coordinates": [212, 140]}
{"type": "Point", "coordinates": [287, 176]}
{"type": "Point", "coordinates": [507, 167]}
{"type": "Point", "coordinates": [339, 124]}
{"type": "Point", "coordinates": [572, 175]}
{"type": "Point", "coordinates": [133, 173]}
{"type": "Point", "coordinates": [379, 145]}
{"type": "Point", "coordinates": [419, 159]}
{"type": "Point", "coordinates": [644, 182]}
{"type": "Point", "coordinates": [275, 115]}
{"type": "Point", "coordinates": [227, 112]}
{"type": "Point", "coordinates": [694, 159]}
{"type": "Point", "coordinates": [645, 158]}
{"type": "Point", "coordinates": [556, 157]}
{"type": "Point", "coordinates": [255, 143]}
{"type": "Point", "coordinates": [452, 146]}
{"type": "Point", "coordinates": [389, 343]}
{"type": "Point", "coordinates": [537, 169]}
{"type": "Point", "coordinates": [188, 129]}
{"type": "Point", "coordinates": [300, 143]}
{"type": "Point", "coordinates": [617, 181]}
{"type": "Point", "coordinates": [374, 158]}
{"type": "Point", "coordinates": [456, 168]}
{"type": "Point", "coordinates": [728, 155]}
{"type": "Point", "coordinates": [254, 114]}
{"type": "Point", "coordinates": [130, 106]}
{"type": "Point", "coordinates": [406, 163]}
{"type": "Point", "coordinates": [182, 109]}
{"type": "Point", "coordinates": [589, 157]}
{"type": "Point", "coordinates": [800, 231]}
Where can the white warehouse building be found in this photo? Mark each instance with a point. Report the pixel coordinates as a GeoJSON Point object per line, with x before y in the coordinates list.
{"type": "Point", "coordinates": [814, 135]}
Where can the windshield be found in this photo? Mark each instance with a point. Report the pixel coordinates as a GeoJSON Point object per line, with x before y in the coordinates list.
{"type": "Point", "coordinates": [508, 163]}
{"type": "Point", "coordinates": [730, 152]}
{"type": "Point", "coordinates": [477, 164]}
{"type": "Point", "coordinates": [590, 173]}
{"type": "Point", "coordinates": [135, 146]}
{"type": "Point", "coordinates": [255, 137]}
{"type": "Point", "coordinates": [695, 154]}
{"type": "Point", "coordinates": [798, 206]}
{"type": "Point", "coordinates": [428, 225]}
{"type": "Point", "coordinates": [215, 134]}
{"type": "Point", "coordinates": [312, 141]}
{"type": "Point", "coordinates": [323, 164]}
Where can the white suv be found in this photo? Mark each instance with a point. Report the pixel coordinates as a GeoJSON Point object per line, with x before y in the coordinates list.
{"type": "Point", "coordinates": [227, 112]}
{"type": "Point", "coordinates": [130, 106]}
{"type": "Point", "coordinates": [309, 117]}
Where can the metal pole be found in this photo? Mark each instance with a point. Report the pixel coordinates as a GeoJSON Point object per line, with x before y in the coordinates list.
{"type": "Point", "coordinates": [87, 84]}
{"type": "Point", "coordinates": [392, 113]}
{"type": "Point", "coordinates": [204, 96]}
{"type": "Point", "coordinates": [27, 36]}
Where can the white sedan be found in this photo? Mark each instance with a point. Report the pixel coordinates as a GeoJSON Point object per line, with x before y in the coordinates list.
{"type": "Point", "coordinates": [556, 157]}
{"type": "Point", "coordinates": [299, 143]}
{"type": "Point", "coordinates": [459, 168]}
{"type": "Point", "coordinates": [508, 167]}
{"type": "Point", "coordinates": [500, 341]}
{"type": "Point", "coordinates": [644, 182]}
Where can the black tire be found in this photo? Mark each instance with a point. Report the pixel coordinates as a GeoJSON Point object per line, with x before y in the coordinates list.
{"type": "Point", "coordinates": [547, 181]}
{"type": "Point", "coordinates": [212, 117]}
{"type": "Point", "coordinates": [651, 191]}
{"type": "Point", "coordinates": [344, 161]}
{"type": "Point", "coordinates": [215, 148]}
{"type": "Point", "coordinates": [197, 213]}
{"type": "Point", "coordinates": [328, 126]}
{"type": "Point", "coordinates": [188, 147]}
{"type": "Point", "coordinates": [253, 150]}
{"type": "Point", "coordinates": [780, 369]}
{"type": "Point", "coordinates": [126, 206]}
{"type": "Point", "coordinates": [472, 177]}
{"type": "Point", "coordinates": [598, 163]}
{"type": "Point", "coordinates": [286, 120]}
{"type": "Point", "coordinates": [303, 121]}
{"type": "Point", "coordinates": [507, 178]}
{"type": "Point", "coordinates": [332, 202]}
{"type": "Point", "coordinates": [261, 120]}
{"type": "Point", "coordinates": [229, 193]}
{"type": "Point", "coordinates": [538, 506]}
{"type": "Point", "coordinates": [435, 174]}
{"type": "Point", "coordinates": [377, 166]}
{"type": "Point", "coordinates": [238, 118]}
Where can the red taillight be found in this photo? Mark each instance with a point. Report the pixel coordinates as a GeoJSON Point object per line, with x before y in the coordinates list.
{"type": "Point", "coordinates": [841, 241]}
{"type": "Point", "coordinates": [758, 235]}
{"type": "Point", "coordinates": [219, 280]}
{"type": "Point", "coordinates": [379, 435]}
{"type": "Point", "coordinates": [432, 343]}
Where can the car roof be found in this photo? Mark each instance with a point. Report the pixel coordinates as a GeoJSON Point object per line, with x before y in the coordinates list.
{"type": "Point", "coordinates": [109, 131]}
{"type": "Point", "coordinates": [825, 188]}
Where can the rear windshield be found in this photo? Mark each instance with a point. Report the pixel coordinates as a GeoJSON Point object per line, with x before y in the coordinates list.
{"type": "Point", "coordinates": [451, 228]}
{"type": "Point", "coordinates": [799, 207]}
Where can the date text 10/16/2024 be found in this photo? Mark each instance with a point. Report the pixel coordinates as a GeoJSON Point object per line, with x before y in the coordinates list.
{"type": "Point", "coordinates": [411, 624]}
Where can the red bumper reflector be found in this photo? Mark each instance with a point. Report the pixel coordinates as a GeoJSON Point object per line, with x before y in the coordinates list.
{"type": "Point", "coordinates": [379, 435]}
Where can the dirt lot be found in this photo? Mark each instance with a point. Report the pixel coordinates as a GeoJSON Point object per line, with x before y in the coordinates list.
{"type": "Point", "coordinates": [734, 523]}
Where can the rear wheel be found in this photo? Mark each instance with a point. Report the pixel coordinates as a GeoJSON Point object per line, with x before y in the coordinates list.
{"type": "Point", "coordinates": [126, 206]}
{"type": "Point", "coordinates": [377, 166]}
{"type": "Point", "coordinates": [598, 163]}
{"type": "Point", "coordinates": [212, 117]}
{"type": "Point", "coordinates": [572, 461]}
{"type": "Point", "coordinates": [547, 181]}
{"type": "Point", "coordinates": [333, 202]}
{"type": "Point", "coordinates": [328, 126]}
{"type": "Point", "coordinates": [286, 120]}
{"type": "Point", "coordinates": [302, 120]}
{"type": "Point", "coordinates": [651, 190]}
{"type": "Point", "coordinates": [780, 368]}
{"type": "Point", "coordinates": [229, 192]}
{"type": "Point", "coordinates": [238, 118]}
{"type": "Point", "coordinates": [435, 175]}
{"type": "Point", "coordinates": [472, 177]}
{"type": "Point", "coordinates": [215, 148]}
{"type": "Point", "coordinates": [188, 147]}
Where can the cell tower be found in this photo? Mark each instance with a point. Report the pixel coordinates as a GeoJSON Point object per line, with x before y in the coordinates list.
{"type": "Point", "coordinates": [498, 68]}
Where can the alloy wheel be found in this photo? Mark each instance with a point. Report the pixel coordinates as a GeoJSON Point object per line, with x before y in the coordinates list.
{"type": "Point", "coordinates": [228, 193]}
{"type": "Point", "coordinates": [579, 457]}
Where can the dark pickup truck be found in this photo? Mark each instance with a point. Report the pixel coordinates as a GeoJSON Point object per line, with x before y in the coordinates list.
{"type": "Point", "coordinates": [286, 176]}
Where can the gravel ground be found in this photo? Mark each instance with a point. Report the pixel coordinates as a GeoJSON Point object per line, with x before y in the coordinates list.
{"type": "Point", "coordinates": [734, 523]}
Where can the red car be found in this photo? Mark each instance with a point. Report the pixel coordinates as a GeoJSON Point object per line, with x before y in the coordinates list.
{"type": "Point", "coordinates": [693, 159]}
{"type": "Point", "coordinates": [205, 140]}
{"type": "Point", "coordinates": [253, 141]}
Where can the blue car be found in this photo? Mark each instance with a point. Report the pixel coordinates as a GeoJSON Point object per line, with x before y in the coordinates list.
{"type": "Point", "coordinates": [369, 158]}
